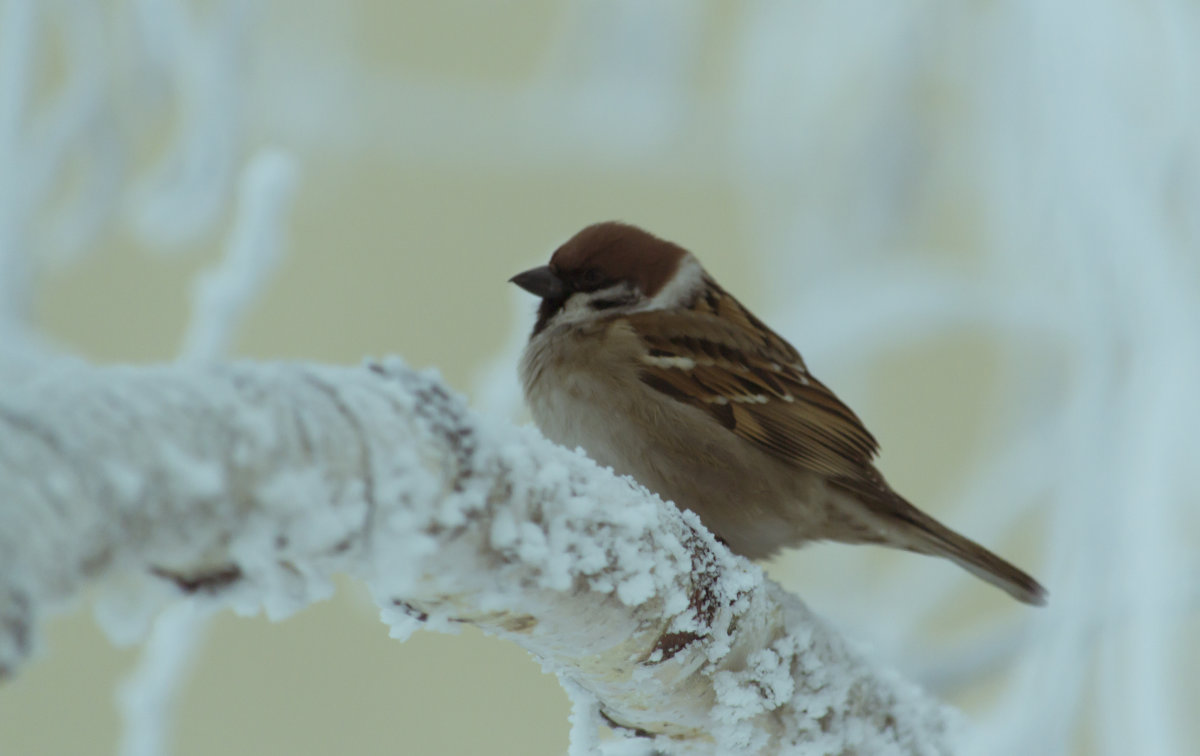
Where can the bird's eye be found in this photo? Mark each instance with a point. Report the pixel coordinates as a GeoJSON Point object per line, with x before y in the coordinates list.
{"type": "Point", "coordinates": [591, 278]}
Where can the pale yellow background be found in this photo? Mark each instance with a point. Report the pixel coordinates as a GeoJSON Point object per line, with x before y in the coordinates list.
{"type": "Point", "coordinates": [390, 255]}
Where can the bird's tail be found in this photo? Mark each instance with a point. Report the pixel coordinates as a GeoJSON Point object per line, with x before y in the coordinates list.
{"type": "Point", "coordinates": [926, 535]}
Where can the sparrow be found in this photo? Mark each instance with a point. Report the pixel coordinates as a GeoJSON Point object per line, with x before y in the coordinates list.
{"type": "Point", "coordinates": [642, 359]}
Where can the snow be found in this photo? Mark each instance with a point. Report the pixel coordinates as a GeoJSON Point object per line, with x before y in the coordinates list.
{"type": "Point", "coordinates": [585, 719]}
{"type": "Point", "coordinates": [447, 518]}
{"type": "Point", "coordinates": [78, 128]}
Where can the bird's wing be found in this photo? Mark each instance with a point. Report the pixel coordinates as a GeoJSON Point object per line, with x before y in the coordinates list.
{"type": "Point", "coordinates": [717, 357]}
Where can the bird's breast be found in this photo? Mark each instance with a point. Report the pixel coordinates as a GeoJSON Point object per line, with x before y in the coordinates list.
{"type": "Point", "coordinates": [578, 384]}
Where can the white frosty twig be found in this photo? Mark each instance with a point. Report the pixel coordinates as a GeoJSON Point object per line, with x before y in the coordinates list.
{"type": "Point", "coordinates": [251, 485]}
{"type": "Point", "coordinates": [146, 698]}
{"type": "Point", "coordinates": [222, 295]}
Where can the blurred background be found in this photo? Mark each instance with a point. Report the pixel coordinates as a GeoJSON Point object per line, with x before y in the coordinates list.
{"type": "Point", "coordinates": [978, 221]}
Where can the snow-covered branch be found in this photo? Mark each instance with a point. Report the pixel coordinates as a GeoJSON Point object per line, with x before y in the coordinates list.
{"type": "Point", "coordinates": [250, 485]}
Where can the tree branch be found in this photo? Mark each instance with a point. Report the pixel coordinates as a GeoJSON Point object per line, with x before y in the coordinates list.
{"type": "Point", "coordinates": [252, 484]}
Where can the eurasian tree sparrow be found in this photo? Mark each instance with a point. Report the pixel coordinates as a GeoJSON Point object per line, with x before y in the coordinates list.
{"type": "Point", "coordinates": [642, 359]}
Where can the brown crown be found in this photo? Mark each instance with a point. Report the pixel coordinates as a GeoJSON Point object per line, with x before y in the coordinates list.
{"type": "Point", "coordinates": [619, 252]}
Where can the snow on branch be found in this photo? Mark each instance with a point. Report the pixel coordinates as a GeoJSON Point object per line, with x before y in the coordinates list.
{"type": "Point", "coordinates": [250, 485]}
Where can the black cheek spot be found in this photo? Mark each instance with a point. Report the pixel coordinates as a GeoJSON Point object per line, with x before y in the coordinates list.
{"type": "Point", "coordinates": [607, 304]}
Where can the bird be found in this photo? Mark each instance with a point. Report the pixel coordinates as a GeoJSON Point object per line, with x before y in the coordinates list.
{"type": "Point", "coordinates": [642, 359]}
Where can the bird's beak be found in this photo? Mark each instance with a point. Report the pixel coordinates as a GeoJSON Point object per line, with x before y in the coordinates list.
{"type": "Point", "coordinates": [540, 281]}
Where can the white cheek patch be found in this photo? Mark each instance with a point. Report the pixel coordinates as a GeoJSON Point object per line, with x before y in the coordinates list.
{"type": "Point", "coordinates": [688, 279]}
{"type": "Point", "coordinates": [575, 308]}
{"type": "Point", "coordinates": [616, 291]}
{"type": "Point", "coordinates": [579, 305]}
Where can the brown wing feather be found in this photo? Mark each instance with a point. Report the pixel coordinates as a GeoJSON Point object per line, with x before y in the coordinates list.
{"type": "Point", "coordinates": [755, 384]}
